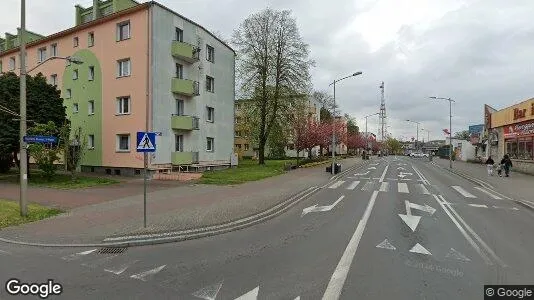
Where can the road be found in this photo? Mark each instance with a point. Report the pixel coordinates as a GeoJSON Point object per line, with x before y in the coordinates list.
{"type": "Point", "coordinates": [397, 228]}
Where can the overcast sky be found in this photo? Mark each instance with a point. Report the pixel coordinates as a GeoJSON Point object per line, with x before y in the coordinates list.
{"type": "Point", "coordinates": [474, 51]}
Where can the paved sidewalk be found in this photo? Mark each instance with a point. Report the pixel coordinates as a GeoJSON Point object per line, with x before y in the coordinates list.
{"type": "Point", "coordinates": [186, 207]}
{"type": "Point", "coordinates": [518, 185]}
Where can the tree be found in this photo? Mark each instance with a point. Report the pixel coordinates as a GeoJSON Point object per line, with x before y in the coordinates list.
{"type": "Point", "coordinates": [44, 104]}
{"type": "Point", "coordinates": [327, 105]}
{"type": "Point", "coordinates": [351, 124]}
{"type": "Point", "coordinates": [74, 148]}
{"type": "Point", "coordinates": [462, 135]}
{"type": "Point", "coordinates": [272, 65]}
{"type": "Point", "coordinates": [355, 141]}
{"type": "Point", "coordinates": [393, 145]}
{"type": "Point", "coordinates": [46, 155]}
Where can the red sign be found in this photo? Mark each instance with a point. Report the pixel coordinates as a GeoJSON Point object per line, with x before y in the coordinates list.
{"type": "Point", "coordinates": [446, 131]}
{"type": "Point", "coordinates": [519, 129]}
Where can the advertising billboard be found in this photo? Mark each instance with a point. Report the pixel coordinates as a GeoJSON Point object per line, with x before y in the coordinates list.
{"type": "Point", "coordinates": [475, 132]}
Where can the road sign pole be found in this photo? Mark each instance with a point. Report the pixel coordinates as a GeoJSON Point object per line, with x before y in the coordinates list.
{"type": "Point", "coordinates": [145, 160]}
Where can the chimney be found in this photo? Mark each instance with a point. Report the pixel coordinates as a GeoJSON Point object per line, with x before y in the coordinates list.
{"type": "Point", "coordinates": [96, 9]}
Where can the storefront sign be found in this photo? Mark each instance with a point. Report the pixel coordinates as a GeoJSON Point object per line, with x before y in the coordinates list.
{"type": "Point", "coordinates": [519, 129]}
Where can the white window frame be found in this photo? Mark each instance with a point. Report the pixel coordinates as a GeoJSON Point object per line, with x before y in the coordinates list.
{"type": "Point", "coordinates": [120, 35]}
{"type": "Point", "coordinates": [179, 73]}
{"type": "Point", "coordinates": [41, 54]}
{"type": "Point", "coordinates": [12, 63]}
{"type": "Point", "coordinates": [75, 108]}
{"type": "Point", "coordinates": [53, 50]}
{"type": "Point", "coordinates": [53, 79]}
{"type": "Point", "coordinates": [68, 93]}
{"type": "Point", "coordinates": [179, 34]}
{"type": "Point", "coordinates": [118, 142]}
{"type": "Point", "coordinates": [91, 73]}
{"type": "Point", "coordinates": [179, 108]}
{"type": "Point", "coordinates": [178, 143]}
{"type": "Point", "coordinates": [121, 70]}
{"type": "Point", "coordinates": [91, 107]}
{"type": "Point", "coordinates": [210, 53]}
{"type": "Point", "coordinates": [120, 106]}
{"type": "Point", "coordinates": [91, 142]}
{"type": "Point", "coordinates": [208, 139]}
{"type": "Point", "coordinates": [211, 87]}
{"type": "Point", "coordinates": [90, 39]}
{"type": "Point", "coordinates": [210, 114]}
{"type": "Point", "coordinates": [75, 41]}
{"type": "Point", "coordinates": [75, 74]}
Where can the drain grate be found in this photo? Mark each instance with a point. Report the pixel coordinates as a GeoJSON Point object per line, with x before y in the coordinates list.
{"type": "Point", "coordinates": [111, 250]}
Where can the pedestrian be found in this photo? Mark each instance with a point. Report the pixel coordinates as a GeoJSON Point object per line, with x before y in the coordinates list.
{"type": "Point", "coordinates": [489, 164]}
{"type": "Point", "coordinates": [506, 163]}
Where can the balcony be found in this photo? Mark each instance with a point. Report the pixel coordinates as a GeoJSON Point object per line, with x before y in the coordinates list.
{"type": "Point", "coordinates": [185, 51]}
{"type": "Point", "coordinates": [184, 158]}
{"type": "Point", "coordinates": [185, 87]}
{"type": "Point", "coordinates": [184, 122]}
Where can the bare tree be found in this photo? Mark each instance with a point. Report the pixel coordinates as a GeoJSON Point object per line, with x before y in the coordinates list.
{"type": "Point", "coordinates": [273, 67]}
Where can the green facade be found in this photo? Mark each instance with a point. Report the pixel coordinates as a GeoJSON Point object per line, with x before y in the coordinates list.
{"type": "Point", "coordinates": [104, 8]}
{"type": "Point", "coordinates": [84, 90]}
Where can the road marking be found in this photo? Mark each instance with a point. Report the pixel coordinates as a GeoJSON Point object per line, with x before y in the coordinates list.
{"type": "Point", "coordinates": [403, 187]}
{"type": "Point", "coordinates": [395, 179]}
{"type": "Point", "coordinates": [384, 187]}
{"type": "Point", "coordinates": [488, 193]}
{"type": "Point", "coordinates": [371, 168]}
{"type": "Point", "coordinates": [384, 174]}
{"type": "Point", "coordinates": [252, 295]}
{"type": "Point", "coordinates": [462, 231]}
{"type": "Point", "coordinates": [361, 174]}
{"type": "Point", "coordinates": [421, 176]}
{"type": "Point", "coordinates": [375, 164]}
{"type": "Point", "coordinates": [463, 192]}
{"type": "Point", "coordinates": [335, 285]}
{"type": "Point", "coordinates": [5, 252]}
{"type": "Point", "coordinates": [457, 255]}
{"type": "Point", "coordinates": [76, 255]}
{"type": "Point", "coordinates": [427, 208]}
{"type": "Point", "coordinates": [144, 276]}
{"type": "Point", "coordinates": [210, 292]}
{"type": "Point", "coordinates": [401, 168]}
{"type": "Point", "coordinates": [120, 269]}
{"type": "Point", "coordinates": [337, 184]}
{"type": "Point", "coordinates": [477, 237]}
{"type": "Point", "coordinates": [423, 189]}
{"type": "Point", "coordinates": [315, 208]}
{"type": "Point", "coordinates": [368, 186]}
{"type": "Point", "coordinates": [500, 207]}
{"type": "Point", "coordinates": [386, 245]}
{"type": "Point", "coordinates": [98, 262]}
{"type": "Point", "coordinates": [353, 185]}
{"type": "Point", "coordinates": [420, 249]}
{"type": "Point", "coordinates": [477, 205]}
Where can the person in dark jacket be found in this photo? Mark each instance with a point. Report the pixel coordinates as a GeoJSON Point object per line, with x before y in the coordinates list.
{"type": "Point", "coordinates": [506, 164]}
{"type": "Point", "coordinates": [489, 165]}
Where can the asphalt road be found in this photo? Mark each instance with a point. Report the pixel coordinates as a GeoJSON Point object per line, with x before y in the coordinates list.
{"type": "Point", "coordinates": [397, 228]}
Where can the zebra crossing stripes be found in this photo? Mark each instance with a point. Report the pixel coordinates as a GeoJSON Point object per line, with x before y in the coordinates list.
{"type": "Point", "coordinates": [403, 187]}
{"type": "Point", "coordinates": [353, 185]}
{"type": "Point", "coordinates": [463, 192]}
{"type": "Point", "coordinates": [384, 187]}
{"type": "Point", "coordinates": [336, 184]}
{"type": "Point", "coordinates": [368, 186]}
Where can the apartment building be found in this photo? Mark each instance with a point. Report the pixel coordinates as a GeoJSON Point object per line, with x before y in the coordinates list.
{"type": "Point", "coordinates": [141, 67]}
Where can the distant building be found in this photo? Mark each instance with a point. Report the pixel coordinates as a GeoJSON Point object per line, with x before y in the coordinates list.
{"type": "Point", "coordinates": [463, 149]}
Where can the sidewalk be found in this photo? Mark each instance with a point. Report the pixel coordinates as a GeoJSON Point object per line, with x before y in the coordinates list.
{"type": "Point", "coordinates": [518, 185]}
{"type": "Point", "coordinates": [173, 209]}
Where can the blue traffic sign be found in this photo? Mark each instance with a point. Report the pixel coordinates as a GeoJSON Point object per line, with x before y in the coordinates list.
{"type": "Point", "coordinates": [40, 139]}
{"type": "Point", "coordinates": [146, 142]}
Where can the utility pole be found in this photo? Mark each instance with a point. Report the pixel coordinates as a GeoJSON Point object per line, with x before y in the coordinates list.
{"type": "Point", "coordinates": [23, 162]}
{"type": "Point", "coordinates": [382, 112]}
{"type": "Point", "coordinates": [450, 126]}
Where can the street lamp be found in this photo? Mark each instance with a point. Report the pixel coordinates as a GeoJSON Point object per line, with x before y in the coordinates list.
{"type": "Point", "coordinates": [70, 59]}
{"type": "Point", "coordinates": [417, 134]}
{"type": "Point", "coordinates": [334, 118]}
{"type": "Point", "coordinates": [450, 126]}
{"type": "Point", "coordinates": [367, 133]}
{"type": "Point", "coordinates": [428, 134]}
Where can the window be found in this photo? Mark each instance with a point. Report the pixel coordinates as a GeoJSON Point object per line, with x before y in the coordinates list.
{"type": "Point", "coordinates": [179, 36]}
{"type": "Point", "coordinates": [53, 79]}
{"type": "Point", "coordinates": [41, 55]}
{"type": "Point", "coordinates": [123, 105]}
{"type": "Point", "coordinates": [75, 108]}
{"type": "Point", "coordinates": [246, 147]}
{"type": "Point", "coordinates": [123, 142]}
{"type": "Point", "coordinates": [179, 71]}
{"type": "Point", "coordinates": [179, 107]}
{"type": "Point", "coordinates": [210, 144]}
{"type": "Point", "coordinates": [12, 62]}
{"type": "Point", "coordinates": [123, 68]}
{"type": "Point", "coordinates": [75, 41]}
{"type": "Point", "coordinates": [179, 143]}
{"type": "Point", "coordinates": [210, 84]}
{"type": "Point", "coordinates": [68, 93]}
{"type": "Point", "coordinates": [91, 39]}
{"type": "Point", "coordinates": [91, 107]}
{"type": "Point", "coordinates": [91, 141]}
{"type": "Point", "coordinates": [237, 133]}
{"type": "Point", "coordinates": [238, 146]}
{"type": "Point", "coordinates": [210, 53]}
{"type": "Point", "coordinates": [74, 74]}
{"type": "Point", "coordinates": [123, 31]}
{"type": "Point", "coordinates": [91, 75]}
{"type": "Point", "coordinates": [520, 148]}
{"type": "Point", "coordinates": [211, 114]}
{"type": "Point", "coordinates": [53, 50]}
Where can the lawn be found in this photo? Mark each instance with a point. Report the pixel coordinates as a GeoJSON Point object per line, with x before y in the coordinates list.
{"type": "Point", "coordinates": [247, 170]}
{"type": "Point", "coordinates": [60, 181]}
{"type": "Point", "coordinates": [10, 213]}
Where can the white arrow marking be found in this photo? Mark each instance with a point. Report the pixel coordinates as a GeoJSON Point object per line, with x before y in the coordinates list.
{"type": "Point", "coordinates": [457, 255]}
{"type": "Point", "coordinates": [420, 249]}
{"type": "Point", "coordinates": [426, 208]}
{"type": "Point", "coordinates": [401, 176]}
{"type": "Point", "coordinates": [337, 184]}
{"type": "Point", "coordinates": [402, 187]}
{"type": "Point", "coordinates": [210, 292]}
{"type": "Point", "coordinates": [76, 255]}
{"type": "Point", "coordinates": [463, 192]}
{"type": "Point", "coordinates": [405, 173]}
{"type": "Point", "coordinates": [478, 205]}
{"type": "Point", "coordinates": [401, 168]}
{"type": "Point", "coordinates": [316, 208]}
{"type": "Point", "coordinates": [411, 221]}
{"type": "Point", "coordinates": [252, 295]}
{"type": "Point", "coordinates": [358, 174]}
{"type": "Point", "coordinates": [371, 168]}
{"type": "Point", "coordinates": [386, 245]}
{"type": "Point", "coordinates": [120, 269]}
{"type": "Point", "coordinates": [144, 276]}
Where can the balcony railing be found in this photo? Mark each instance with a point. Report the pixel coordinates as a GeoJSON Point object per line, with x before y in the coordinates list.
{"type": "Point", "coordinates": [185, 87]}
{"type": "Point", "coordinates": [184, 122]}
{"type": "Point", "coordinates": [184, 158]}
{"type": "Point", "coordinates": [185, 51]}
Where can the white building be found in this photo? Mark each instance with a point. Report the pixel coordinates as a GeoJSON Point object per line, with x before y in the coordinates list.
{"type": "Point", "coordinates": [464, 149]}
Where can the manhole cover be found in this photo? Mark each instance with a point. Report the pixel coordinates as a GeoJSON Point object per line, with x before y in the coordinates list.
{"type": "Point", "coordinates": [111, 250]}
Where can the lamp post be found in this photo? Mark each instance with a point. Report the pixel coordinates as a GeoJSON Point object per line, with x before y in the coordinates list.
{"type": "Point", "coordinates": [334, 118]}
{"type": "Point", "coordinates": [450, 126]}
{"type": "Point", "coordinates": [417, 134]}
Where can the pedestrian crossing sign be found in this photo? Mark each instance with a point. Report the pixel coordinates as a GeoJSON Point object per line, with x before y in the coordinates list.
{"type": "Point", "coordinates": [146, 141]}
